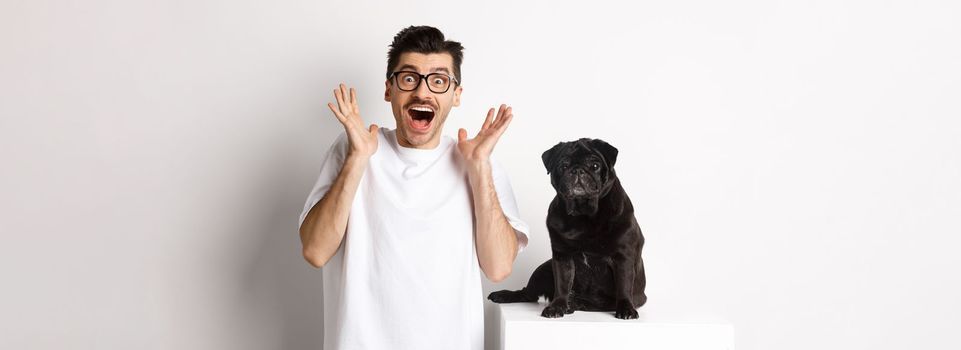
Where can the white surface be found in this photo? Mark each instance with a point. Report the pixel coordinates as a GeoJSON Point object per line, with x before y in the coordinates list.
{"type": "Point", "coordinates": [795, 165]}
{"type": "Point", "coordinates": [523, 328]}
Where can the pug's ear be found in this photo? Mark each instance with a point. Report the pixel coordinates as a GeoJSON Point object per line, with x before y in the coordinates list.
{"type": "Point", "coordinates": [608, 151]}
{"type": "Point", "coordinates": [550, 156]}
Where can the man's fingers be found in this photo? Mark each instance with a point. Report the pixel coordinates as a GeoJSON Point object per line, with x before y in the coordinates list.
{"type": "Point", "coordinates": [340, 101]}
{"type": "Point", "coordinates": [507, 112]}
{"type": "Point", "coordinates": [461, 135]}
{"type": "Point", "coordinates": [500, 116]}
{"type": "Point", "coordinates": [501, 112]}
{"type": "Point", "coordinates": [353, 99]}
{"type": "Point", "coordinates": [336, 113]}
{"type": "Point", "coordinates": [502, 125]}
{"type": "Point", "coordinates": [373, 129]}
{"type": "Point", "coordinates": [344, 104]}
{"type": "Point", "coordinates": [488, 120]}
{"type": "Point", "coordinates": [343, 92]}
{"type": "Point", "coordinates": [507, 121]}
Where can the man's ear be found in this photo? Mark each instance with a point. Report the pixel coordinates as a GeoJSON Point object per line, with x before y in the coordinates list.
{"type": "Point", "coordinates": [457, 92]}
{"type": "Point", "coordinates": [387, 90]}
{"type": "Point", "coordinates": [607, 151]}
{"type": "Point", "coordinates": [550, 156]}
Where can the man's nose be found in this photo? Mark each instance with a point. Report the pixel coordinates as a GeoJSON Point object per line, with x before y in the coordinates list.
{"type": "Point", "coordinates": [422, 91]}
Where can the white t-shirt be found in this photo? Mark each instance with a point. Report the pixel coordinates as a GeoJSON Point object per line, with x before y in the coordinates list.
{"type": "Point", "coordinates": [406, 275]}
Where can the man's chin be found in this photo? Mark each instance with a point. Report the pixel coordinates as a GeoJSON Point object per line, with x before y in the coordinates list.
{"type": "Point", "coordinates": [417, 139]}
{"type": "Point", "coordinates": [420, 137]}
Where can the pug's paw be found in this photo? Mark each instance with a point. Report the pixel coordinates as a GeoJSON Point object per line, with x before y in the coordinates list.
{"type": "Point", "coordinates": [555, 310]}
{"type": "Point", "coordinates": [625, 312]}
{"type": "Point", "coordinates": [503, 296]}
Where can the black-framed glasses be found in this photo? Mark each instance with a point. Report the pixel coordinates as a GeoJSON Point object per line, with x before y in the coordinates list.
{"type": "Point", "coordinates": [437, 83]}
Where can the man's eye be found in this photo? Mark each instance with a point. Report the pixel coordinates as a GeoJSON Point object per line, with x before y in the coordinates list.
{"type": "Point", "coordinates": [439, 81]}
{"type": "Point", "coordinates": [409, 79]}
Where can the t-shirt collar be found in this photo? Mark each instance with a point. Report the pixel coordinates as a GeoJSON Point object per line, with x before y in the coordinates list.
{"type": "Point", "coordinates": [418, 153]}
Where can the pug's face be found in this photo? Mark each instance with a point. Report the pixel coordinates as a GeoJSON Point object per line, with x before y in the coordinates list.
{"type": "Point", "coordinates": [581, 173]}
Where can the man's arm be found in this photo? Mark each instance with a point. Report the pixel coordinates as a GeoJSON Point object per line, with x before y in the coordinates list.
{"type": "Point", "coordinates": [325, 225]}
{"type": "Point", "coordinates": [495, 238]}
{"type": "Point", "coordinates": [496, 241]}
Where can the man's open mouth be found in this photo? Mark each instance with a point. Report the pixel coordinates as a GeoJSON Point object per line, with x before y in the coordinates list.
{"type": "Point", "coordinates": [420, 117]}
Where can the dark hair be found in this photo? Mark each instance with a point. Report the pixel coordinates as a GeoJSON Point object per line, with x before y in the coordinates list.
{"type": "Point", "coordinates": [425, 40]}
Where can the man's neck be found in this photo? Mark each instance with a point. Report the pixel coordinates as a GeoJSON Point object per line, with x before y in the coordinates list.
{"type": "Point", "coordinates": [432, 144]}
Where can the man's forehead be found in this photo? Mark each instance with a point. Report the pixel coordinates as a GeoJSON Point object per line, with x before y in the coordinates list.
{"type": "Point", "coordinates": [432, 62]}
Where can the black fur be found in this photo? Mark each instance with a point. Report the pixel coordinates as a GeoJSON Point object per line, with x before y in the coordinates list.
{"type": "Point", "coordinates": [596, 242]}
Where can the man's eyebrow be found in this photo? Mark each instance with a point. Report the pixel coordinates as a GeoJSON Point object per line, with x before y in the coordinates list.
{"type": "Point", "coordinates": [435, 69]}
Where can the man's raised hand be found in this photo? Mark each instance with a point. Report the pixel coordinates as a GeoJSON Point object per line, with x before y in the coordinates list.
{"type": "Point", "coordinates": [363, 141]}
{"type": "Point", "coordinates": [479, 148]}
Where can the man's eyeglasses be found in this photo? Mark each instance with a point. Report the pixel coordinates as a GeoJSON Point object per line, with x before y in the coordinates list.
{"type": "Point", "coordinates": [409, 81]}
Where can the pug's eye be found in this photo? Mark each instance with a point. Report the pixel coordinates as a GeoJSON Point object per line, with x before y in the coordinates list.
{"type": "Point", "coordinates": [596, 166]}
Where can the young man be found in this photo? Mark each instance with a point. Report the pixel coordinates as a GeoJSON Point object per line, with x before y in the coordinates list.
{"type": "Point", "coordinates": [404, 220]}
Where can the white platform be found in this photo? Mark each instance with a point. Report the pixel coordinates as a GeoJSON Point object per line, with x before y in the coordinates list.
{"type": "Point", "coordinates": [523, 328]}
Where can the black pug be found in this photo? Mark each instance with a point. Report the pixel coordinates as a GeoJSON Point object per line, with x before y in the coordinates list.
{"type": "Point", "coordinates": [595, 240]}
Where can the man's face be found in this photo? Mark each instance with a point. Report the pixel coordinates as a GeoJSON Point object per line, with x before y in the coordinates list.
{"type": "Point", "coordinates": [416, 129]}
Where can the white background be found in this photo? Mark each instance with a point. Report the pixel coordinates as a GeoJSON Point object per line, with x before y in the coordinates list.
{"type": "Point", "coordinates": [795, 166]}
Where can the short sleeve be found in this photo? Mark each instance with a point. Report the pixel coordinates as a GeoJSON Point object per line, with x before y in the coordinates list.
{"type": "Point", "coordinates": [330, 166]}
{"type": "Point", "coordinates": [505, 196]}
